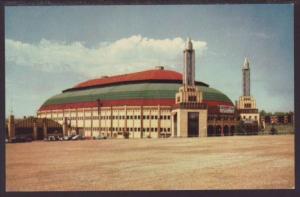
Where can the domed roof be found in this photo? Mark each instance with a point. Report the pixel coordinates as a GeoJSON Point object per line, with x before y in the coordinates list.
{"type": "Point", "coordinates": [147, 88]}
{"type": "Point", "coordinates": [158, 74]}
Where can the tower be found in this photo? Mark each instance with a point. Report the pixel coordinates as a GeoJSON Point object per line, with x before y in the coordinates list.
{"type": "Point", "coordinates": [189, 115]}
{"type": "Point", "coordinates": [246, 78]}
{"type": "Point", "coordinates": [189, 64]}
{"type": "Point", "coordinates": [246, 106]}
{"type": "Point", "coordinates": [11, 127]}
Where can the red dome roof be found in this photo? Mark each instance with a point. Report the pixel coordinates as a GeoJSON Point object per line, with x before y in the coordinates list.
{"type": "Point", "coordinates": [148, 75]}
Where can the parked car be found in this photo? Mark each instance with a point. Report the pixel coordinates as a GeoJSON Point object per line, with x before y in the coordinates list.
{"type": "Point", "coordinates": [51, 138]}
{"type": "Point", "coordinates": [67, 138]}
{"type": "Point", "coordinates": [76, 137]}
{"type": "Point", "coordinates": [99, 137]}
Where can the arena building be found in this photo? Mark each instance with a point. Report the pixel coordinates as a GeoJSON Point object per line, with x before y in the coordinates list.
{"type": "Point", "coordinates": [150, 103]}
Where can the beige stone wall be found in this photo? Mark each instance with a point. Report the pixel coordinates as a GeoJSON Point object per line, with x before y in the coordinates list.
{"type": "Point", "coordinates": [203, 123]}
{"type": "Point", "coordinates": [182, 122]}
{"type": "Point", "coordinates": [125, 118]}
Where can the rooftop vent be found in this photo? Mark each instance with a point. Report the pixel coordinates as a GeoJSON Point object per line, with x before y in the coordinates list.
{"type": "Point", "coordinates": [159, 67]}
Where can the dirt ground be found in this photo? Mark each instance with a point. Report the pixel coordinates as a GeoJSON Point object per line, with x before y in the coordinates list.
{"type": "Point", "coordinates": [238, 162]}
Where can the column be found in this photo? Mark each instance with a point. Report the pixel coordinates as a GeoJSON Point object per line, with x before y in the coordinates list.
{"type": "Point", "coordinates": [45, 128]}
{"type": "Point", "coordinates": [70, 118]}
{"type": "Point", "coordinates": [111, 122]}
{"type": "Point", "coordinates": [76, 118]}
{"type": "Point", "coordinates": [11, 127]}
{"type": "Point", "coordinates": [150, 120]}
{"type": "Point", "coordinates": [222, 127]}
{"type": "Point", "coordinates": [65, 127]}
{"type": "Point", "coordinates": [158, 123]}
{"type": "Point", "coordinates": [34, 135]}
{"type": "Point", "coordinates": [83, 123]}
{"type": "Point", "coordinates": [172, 125]}
{"type": "Point", "coordinates": [118, 120]}
{"type": "Point", "coordinates": [92, 118]}
{"type": "Point", "coordinates": [125, 120]}
{"type": "Point", "coordinates": [142, 126]}
{"type": "Point", "coordinates": [99, 119]}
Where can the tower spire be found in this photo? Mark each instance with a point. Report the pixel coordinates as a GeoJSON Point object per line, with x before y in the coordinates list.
{"type": "Point", "coordinates": [246, 78]}
{"type": "Point", "coordinates": [189, 64]}
{"type": "Point", "coordinates": [189, 44]}
{"type": "Point", "coordinates": [246, 63]}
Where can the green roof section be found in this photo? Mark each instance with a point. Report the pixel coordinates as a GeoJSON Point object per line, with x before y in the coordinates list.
{"type": "Point", "coordinates": [132, 91]}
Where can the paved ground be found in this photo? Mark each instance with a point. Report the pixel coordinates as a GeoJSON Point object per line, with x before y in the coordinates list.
{"type": "Point", "coordinates": [152, 164]}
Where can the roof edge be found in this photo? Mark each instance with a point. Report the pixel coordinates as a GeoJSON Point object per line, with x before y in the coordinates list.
{"type": "Point", "coordinates": [131, 82]}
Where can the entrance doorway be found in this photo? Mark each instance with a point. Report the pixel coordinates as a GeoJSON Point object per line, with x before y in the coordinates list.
{"type": "Point", "coordinates": [193, 124]}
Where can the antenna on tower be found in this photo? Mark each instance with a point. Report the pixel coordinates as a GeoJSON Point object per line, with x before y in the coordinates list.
{"type": "Point", "coordinates": [11, 106]}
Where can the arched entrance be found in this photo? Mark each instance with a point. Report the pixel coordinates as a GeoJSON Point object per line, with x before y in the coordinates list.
{"type": "Point", "coordinates": [226, 130]}
{"type": "Point", "coordinates": [210, 131]}
{"type": "Point", "coordinates": [232, 130]}
{"type": "Point", "coordinates": [218, 130]}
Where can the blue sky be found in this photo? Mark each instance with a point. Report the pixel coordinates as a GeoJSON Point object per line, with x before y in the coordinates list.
{"type": "Point", "coordinates": [52, 48]}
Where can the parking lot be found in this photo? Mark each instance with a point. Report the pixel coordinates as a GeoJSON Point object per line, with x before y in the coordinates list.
{"type": "Point", "coordinates": [237, 162]}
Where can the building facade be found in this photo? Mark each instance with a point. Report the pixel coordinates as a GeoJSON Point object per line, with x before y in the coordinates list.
{"type": "Point", "coordinates": [153, 103]}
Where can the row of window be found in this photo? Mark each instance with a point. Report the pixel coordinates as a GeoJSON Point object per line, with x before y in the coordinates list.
{"type": "Point", "coordinates": [131, 129]}
{"type": "Point", "coordinates": [220, 118]}
{"type": "Point", "coordinates": [191, 89]}
{"type": "Point", "coordinates": [247, 105]}
{"type": "Point", "coordinates": [192, 98]}
{"type": "Point", "coordinates": [103, 112]}
{"type": "Point", "coordinates": [250, 117]}
{"type": "Point", "coordinates": [136, 117]}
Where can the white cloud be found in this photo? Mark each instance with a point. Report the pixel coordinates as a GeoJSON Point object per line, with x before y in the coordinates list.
{"type": "Point", "coordinates": [125, 55]}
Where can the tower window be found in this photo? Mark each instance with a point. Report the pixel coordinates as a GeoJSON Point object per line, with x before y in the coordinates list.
{"type": "Point", "coordinates": [247, 105]}
{"type": "Point", "coordinates": [192, 98]}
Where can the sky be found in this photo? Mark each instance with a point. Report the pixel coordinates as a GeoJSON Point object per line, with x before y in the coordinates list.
{"type": "Point", "coordinates": [52, 48]}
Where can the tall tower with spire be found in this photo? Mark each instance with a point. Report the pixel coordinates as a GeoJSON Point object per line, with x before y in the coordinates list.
{"type": "Point", "coordinates": [189, 115]}
{"type": "Point", "coordinates": [189, 64]}
{"type": "Point", "coordinates": [246, 106]}
{"type": "Point", "coordinates": [246, 78]}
